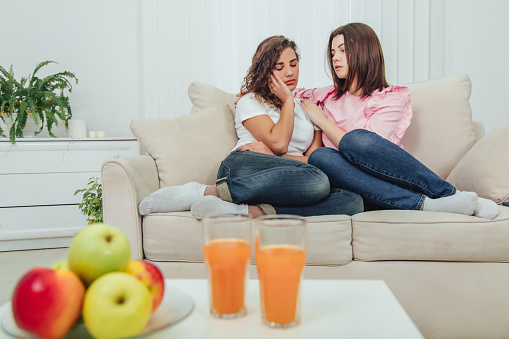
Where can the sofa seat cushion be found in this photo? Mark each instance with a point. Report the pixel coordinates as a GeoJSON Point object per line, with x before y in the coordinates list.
{"type": "Point", "coordinates": [178, 237]}
{"type": "Point", "coordinates": [435, 236]}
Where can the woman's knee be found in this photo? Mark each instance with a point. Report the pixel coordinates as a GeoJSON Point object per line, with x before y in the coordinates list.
{"type": "Point", "coordinates": [320, 156]}
{"type": "Point", "coordinates": [358, 140]}
{"type": "Point", "coordinates": [318, 184]}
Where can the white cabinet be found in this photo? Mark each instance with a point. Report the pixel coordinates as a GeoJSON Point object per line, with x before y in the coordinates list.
{"type": "Point", "coordinates": [38, 178]}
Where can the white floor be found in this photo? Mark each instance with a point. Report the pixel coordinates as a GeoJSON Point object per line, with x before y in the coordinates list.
{"type": "Point", "coordinates": [14, 264]}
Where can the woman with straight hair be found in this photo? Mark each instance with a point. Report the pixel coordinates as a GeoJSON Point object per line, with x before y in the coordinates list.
{"type": "Point", "coordinates": [363, 120]}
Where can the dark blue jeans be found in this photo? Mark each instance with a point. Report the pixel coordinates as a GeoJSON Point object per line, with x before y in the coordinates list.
{"type": "Point", "coordinates": [383, 173]}
{"type": "Point", "coordinates": [281, 185]}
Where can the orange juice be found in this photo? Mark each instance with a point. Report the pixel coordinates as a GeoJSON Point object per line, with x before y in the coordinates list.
{"type": "Point", "coordinates": [280, 271]}
{"type": "Point", "coordinates": [227, 261]}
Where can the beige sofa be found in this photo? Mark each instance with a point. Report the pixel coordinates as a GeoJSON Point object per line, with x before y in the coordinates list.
{"type": "Point", "coordinates": [448, 271]}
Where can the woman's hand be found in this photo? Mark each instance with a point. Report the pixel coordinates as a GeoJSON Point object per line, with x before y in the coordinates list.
{"type": "Point", "coordinates": [315, 113]}
{"type": "Point", "coordinates": [258, 147]}
{"type": "Point", "coordinates": [317, 116]}
{"type": "Point", "coordinates": [279, 88]}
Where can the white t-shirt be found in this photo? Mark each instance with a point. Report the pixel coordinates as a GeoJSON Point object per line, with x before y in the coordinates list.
{"type": "Point", "coordinates": [249, 107]}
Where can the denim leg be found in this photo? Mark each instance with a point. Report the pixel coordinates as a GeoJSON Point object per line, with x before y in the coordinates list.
{"type": "Point", "coordinates": [339, 201]}
{"type": "Point", "coordinates": [254, 178]}
{"type": "Point", "coordinates": [383, 159]}
{"type": "Point", "coordinates": [373, 190]}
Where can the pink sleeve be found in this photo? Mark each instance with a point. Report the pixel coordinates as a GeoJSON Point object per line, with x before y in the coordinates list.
{"type": "Point", "coordinates": [389, 113]}
{"type": "Point", "coordinates": [316, 95]}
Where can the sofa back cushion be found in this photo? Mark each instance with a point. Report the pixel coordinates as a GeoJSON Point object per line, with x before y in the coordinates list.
{"type": "Point", "coordinates": [484, 168]}
{"type": "Point", "coordinates": [189, 147]}
{"type": "Point", "coordinates": [442, 131]}
{"type": "Point", "coordinates": [205, 96]}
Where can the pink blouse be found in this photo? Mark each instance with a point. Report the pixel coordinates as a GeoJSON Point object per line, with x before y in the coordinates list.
{"type": "Point", "coordinates": [388, 113]}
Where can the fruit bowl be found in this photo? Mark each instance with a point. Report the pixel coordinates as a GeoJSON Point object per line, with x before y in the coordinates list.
{"type": "Point", "coordinates": [175, 307]}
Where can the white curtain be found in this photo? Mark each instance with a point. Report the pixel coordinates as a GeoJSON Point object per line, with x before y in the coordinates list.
{"type": "Point", "coordinates": [212, 41]}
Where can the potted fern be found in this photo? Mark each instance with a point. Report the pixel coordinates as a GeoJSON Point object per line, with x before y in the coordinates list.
{"type": "Point", "coordinates": [41, 100]}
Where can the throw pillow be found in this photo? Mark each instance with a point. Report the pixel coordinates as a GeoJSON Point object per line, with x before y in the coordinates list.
{"type": "Point", "coordinates": [484, 168]}
{"type": "Point", "coordinates": [189, 147]}
{"type": "Point", "coordinates": [204, 96]}
{"type": "Point", "coordinates": [442, 131]}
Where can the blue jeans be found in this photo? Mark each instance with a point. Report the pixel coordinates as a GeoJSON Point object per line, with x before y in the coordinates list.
{"type": "Point", "coordinates": [281, 186]}
{"type": "Point", "coordinates": [383, 173]}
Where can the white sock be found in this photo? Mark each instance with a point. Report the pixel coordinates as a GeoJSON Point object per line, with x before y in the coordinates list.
{"type": "Point", "coordinates": [172, 198]}
{"type": "Point", "coordinates": [486, 208]}
{"type": "Point", "coordinates": [461, 203]}
{"type": "Point", "coordinates": [210, 203]}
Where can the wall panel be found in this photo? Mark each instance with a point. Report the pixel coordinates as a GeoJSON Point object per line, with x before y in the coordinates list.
{"type": "Point", "coordinates": [135, 58]}
{"type": "Point", "coordinates": [421, 40]}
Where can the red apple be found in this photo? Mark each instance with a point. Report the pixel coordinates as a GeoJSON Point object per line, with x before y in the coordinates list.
{"type": "Point", "coordinates": [149, 275]}
{"type": "Point", "coordinates": [47, 302]}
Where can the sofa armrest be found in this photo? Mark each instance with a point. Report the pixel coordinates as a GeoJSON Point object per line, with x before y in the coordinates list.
{"type": "Point", "coordinates": [125, 182]}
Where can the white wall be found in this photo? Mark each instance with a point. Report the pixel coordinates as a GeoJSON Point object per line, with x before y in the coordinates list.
{"type": "Point", "coordinates": [136, 58]}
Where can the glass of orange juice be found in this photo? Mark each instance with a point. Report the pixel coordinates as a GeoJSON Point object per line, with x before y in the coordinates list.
{"type": "Point", "coordinates": [280, 249]}
{"type": "Point", "coordinates": [227, 252]}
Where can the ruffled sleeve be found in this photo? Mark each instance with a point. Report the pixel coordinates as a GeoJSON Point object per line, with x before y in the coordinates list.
{"type": "Point", "coordinates": [389, 113]}
{"type": "Point", "coordinates": [316, 95]}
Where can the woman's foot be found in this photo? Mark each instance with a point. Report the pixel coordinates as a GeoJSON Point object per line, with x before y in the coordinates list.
{"type": "Point", "coordinates": [172, 198]}
{"type": "Point", "coordinates": [460, 203]}
{"type": "Point", "coordinates": [210, 204]}
{"type": "Point", "coordinates": [486, 208]}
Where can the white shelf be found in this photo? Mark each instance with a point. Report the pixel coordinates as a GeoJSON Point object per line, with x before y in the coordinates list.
{"type": "Point", "coordinates": [38, 178]}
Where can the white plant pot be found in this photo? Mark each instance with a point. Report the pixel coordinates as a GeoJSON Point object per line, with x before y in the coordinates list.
{"type": "Point", "coordinates": [30, 128]}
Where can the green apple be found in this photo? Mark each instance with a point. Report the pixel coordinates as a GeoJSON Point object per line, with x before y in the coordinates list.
{"type": "Point", "coordinates": [98, 249]}
{"type": "Point", "coordinates": [116, 305]}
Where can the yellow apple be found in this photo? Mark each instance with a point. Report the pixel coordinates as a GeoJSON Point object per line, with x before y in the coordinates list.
{"type": "Point", "coordinates": [61, 265]}
{"type": "Point", "coordinates": [116, 305]}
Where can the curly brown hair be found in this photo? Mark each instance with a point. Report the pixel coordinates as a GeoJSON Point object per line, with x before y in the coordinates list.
{"type": "Point", "coordinates": [264, 61]}
{"type": "Point", "coordinates": [365, 60]}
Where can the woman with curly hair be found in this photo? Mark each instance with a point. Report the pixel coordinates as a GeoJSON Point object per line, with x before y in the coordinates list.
{"type": "Point", "coordinates": [267, 171]}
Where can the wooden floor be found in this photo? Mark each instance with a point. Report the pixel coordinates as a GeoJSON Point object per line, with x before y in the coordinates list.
{"type": "Point", "coordinates": [14, 264]}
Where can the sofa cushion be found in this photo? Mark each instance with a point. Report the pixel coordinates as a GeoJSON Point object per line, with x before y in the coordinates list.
{"type": "Point", "coordinates": [177, 237]}
{"type": "Point", "coordinates": [436, 236]}
{"type": "Point", "coordinates": [441, 132]}
{"type": "Point", "coordinates": [189, 147]}
{"type": "Point", "coordinates": [484, 168]}
{"type": "Point", "coordinates": [205, 96]}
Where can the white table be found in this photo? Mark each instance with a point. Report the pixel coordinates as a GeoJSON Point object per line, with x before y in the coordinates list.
{"type": "Point", "coordinates": [330, 309]}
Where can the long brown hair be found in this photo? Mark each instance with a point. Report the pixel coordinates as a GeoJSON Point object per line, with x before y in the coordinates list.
{"type": "Point", "coordinates": [264, 61]}
{"type": "Point", "coordinates": [365, 60]}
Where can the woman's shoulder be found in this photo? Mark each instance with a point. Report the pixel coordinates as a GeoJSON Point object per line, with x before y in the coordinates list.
{"type": "Point", "coordinates": [394, 94]}
{"type": "Point", "coordinates": [250, 101]}
{"type": "Point", "coordinates": [318, 94]}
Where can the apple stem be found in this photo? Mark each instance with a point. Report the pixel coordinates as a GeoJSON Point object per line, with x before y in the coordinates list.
{"type": "Point", "coordinates": [120, 300]}
{"type": "Point", "coordinates": [109, 238]}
